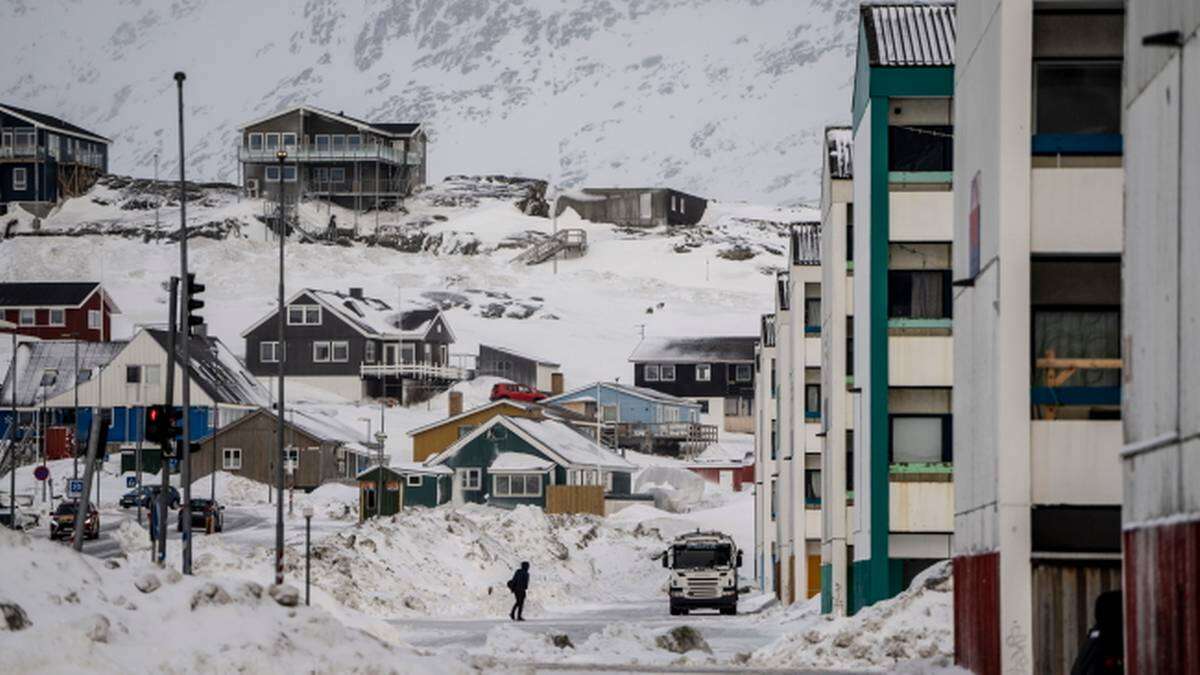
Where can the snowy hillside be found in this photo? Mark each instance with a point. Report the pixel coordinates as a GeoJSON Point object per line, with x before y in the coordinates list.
{"type": "Point", "coordinates": [724, 98]}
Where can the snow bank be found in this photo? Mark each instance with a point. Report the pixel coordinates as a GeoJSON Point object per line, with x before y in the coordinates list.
{"type": "Point", "coordinates": [617, 644]}
{"type": "Point", "coordinates": [915, 626]}
{"type": "Point", "coordinates": [85, 615]}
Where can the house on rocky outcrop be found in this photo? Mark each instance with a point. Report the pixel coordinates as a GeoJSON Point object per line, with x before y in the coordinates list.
{"type": "Point", "coordinates": [44, 159]}
{"type": "Point", "coordinates": [634, 207]}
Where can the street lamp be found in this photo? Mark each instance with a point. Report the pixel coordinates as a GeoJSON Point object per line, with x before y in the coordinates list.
{"type": "Point", "coordinates": [308, 514]}
{"type": "Point", "coordinates": [280, 356]}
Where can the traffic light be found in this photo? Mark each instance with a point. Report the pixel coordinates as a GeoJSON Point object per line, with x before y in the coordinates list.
{"type": "Point", "coordinates": [193, 303]}
{"type": "Point", "coordinates": [163, 424]}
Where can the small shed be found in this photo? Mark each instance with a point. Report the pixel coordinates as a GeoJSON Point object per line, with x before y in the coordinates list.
{"type": "Point", "coordinates": [404, 485]}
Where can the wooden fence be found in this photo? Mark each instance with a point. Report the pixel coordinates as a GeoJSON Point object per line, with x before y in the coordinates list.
{"type": "Point", "coordinates": [575, 499]}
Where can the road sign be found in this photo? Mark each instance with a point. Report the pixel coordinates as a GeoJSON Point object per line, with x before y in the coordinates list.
{"type": "Point", "coordinates": [41, 473]}
{"type": "Point", "coordinates": [130, 481]}
{"type": "Point", "coordinates": [74, 488]}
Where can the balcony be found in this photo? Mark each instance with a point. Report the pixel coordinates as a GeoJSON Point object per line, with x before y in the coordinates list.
{"type": "Point", "coordinates": [22, 152]}
{"type": "Point", "coordinates": [423, 371]}
{"type": "Point", "coordinates": [32, 153]}
{"type": "Point", "coordinates": [309, 153]}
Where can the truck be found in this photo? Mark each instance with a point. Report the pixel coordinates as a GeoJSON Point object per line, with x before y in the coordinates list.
{"type": "Point", "coordinates": [704, 572]}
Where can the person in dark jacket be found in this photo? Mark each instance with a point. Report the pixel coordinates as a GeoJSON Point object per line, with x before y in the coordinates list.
{"type": "Point", "coordinates": [1103, 650]}
{"type": "Point", "coordinates": [518, 585]}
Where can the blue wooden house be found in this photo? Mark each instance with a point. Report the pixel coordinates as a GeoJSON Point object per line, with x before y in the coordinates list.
{"type": "Point", "coordinates": [508, 461]}
{"type": "Point", "coordinates": [627, 404]}
{"type": "Point", "coordinates": [44, 159]}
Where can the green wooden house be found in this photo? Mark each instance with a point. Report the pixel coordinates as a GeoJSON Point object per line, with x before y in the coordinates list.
{"type": "Point", "coordinates": [508, 461]}
{"type": "Point", "coordinates": [403, 485]}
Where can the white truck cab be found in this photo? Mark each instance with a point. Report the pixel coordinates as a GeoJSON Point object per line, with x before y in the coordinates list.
{"type": "Point", "coordinates": [704, 572]}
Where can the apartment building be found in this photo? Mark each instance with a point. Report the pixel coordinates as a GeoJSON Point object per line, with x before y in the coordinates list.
{"type": "Point", "coordinates": [766, 447]}
{"type": "Point", "coordinates": [1038, 368]}
{"type": "Point", "coordinates": [903, 150]}
{"type": "Point", "coordinates": [784, 502]}
{"type": "Point", "coordinates": [1161, 516]}
{"type": "Point", "coordinates": [838, 400]}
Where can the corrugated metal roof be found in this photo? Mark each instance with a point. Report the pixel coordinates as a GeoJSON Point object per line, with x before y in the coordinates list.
{"type": "Point", "coordinates": [53, 362]}
{"type": "Point", "coordinates": [909, 34]}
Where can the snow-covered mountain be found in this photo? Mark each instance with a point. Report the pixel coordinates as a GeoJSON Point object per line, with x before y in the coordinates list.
{"type": "Point", "coordinates": [725, 98]}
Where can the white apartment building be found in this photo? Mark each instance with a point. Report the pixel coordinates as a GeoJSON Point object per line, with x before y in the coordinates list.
{"type": "Point", "coordinates": [765, 453]}
{"type": "Point", "coordinates": [1037, 214]}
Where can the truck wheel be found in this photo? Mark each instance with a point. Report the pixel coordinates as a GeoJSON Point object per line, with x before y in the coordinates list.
{"type": "Point", "coordinates": [675, 611]}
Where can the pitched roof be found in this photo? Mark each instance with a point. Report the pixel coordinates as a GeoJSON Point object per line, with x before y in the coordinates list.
{"type": "Point", "coordinates": [519, 355]}
{"type": "Point", "coordinates": [394, 129]}
{"type": "Point", "coordinates": [909, 34]}
{"type": "Point", "coordinates": [370, 316]}
{"type": "Point", "coordinates": [53, 123]}
{"type": "Point", "coordinates": [839, 148]}
{"type": "Point", "coordinates": [471, 411]}
{"type": "Point", "coordinates": [217, 371]}
{"type": "Point", "coordinates": [46, 293]}
{"type": "Point", "coordinates": [398, 128]}
{"type": "Point", "coordinates": [519, 461]}
{"type": "Point", "coordinates": [35, 358]}
{"type": "Point", "coordinates": [714, 349]}
{"type": "Point", "coordinates": [555, 439]}
{"type": "Point", "coordinates": [319, 427]}
{"type": "Point", "coordinates": [640, 392]}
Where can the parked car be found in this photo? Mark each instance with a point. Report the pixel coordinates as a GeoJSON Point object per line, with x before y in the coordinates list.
{"type": "Point", "coordinates": [202, 510]}
{"type": "Point", "coordinates": [516, 392]}
{"type": "Point", "coordinates": [62, 520]}
{"type": "Point", "coordinates": [26, 518]}
{"type": "Point", "coordinates": [148, 493]}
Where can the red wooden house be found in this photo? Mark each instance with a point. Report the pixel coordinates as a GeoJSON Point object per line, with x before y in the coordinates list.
{"type": "Point", "coordinates": [58, 310]}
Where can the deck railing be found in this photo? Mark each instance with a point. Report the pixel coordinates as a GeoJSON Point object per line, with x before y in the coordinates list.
{"type": "Point", "coordinates": [427, 371]}
{"type": "Point", "coordinates": [310, 153]}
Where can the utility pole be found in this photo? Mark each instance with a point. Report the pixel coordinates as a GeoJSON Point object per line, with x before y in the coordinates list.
{"type": "Point", "coordinates": [185, 328]}
{"type": "Point", "coordinates": [74, 415]}
{"type": "Point", "coordinates": [281, 356]}
{"type": "Point", "coordinates": [156, 195]}
{"type": "Point", "coordinates": [89, 470]}
{"type": "Point", "coordinates": [12, 439]}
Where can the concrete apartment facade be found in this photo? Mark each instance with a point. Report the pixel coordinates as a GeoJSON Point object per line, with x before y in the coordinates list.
{"type": "Point", "coordinates": [838, 400]}
{"type": "Point", "coordinates": [765, 452]}
{"type": "Point", "coordinates": [903, 140]}
{"type": "Point", "coordinates": [1161, 512]}
{"type": "Point", "coordinates": [1037, 212]}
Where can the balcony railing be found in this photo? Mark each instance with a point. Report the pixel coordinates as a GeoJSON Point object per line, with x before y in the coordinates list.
{"type": "Point", "coordinates": [426, 371]}
{"type": "Point", "coordinates": [1052, 388]}
{"type": "Point", "coordinates": [14, 151]}
{"type": "Point", "coordinates": [311, 153]}
{"type": "Point", "coordinates": [94, 159]}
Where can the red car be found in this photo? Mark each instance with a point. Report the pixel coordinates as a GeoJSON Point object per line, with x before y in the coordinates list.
{"type": "Point", "coordinates": [516, 392]}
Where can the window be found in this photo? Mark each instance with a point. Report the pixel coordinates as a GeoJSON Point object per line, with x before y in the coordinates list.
{"type": "Point", "coordinates": [812, 401]}
{"type": "Point", "coordinates": [650, 374]}
{"type": "Point", "coordinates": [133, 374]}
{"type": "Point", "coordinates": [1092, 333]}
{"type": "Point", "coordinates": [608, 481]}
{"type": "Point", "coordinates": [812, 486]}
{"type": "Point", "coordinates": [321, 352]}
{"type": "Point", "coordinates": [255, 141]}
{"type": "Point", "coordinates": [28, 317]}
{"type": "Point", "coordinates": [341, 351]}
{"type": "Point", "coordinates": [774, 503]}
{"type": "Point", "coordinates": [353, 141]}
{"type": "Point", "coordinates": [338, 141]}
{"type": "Point", "coordinates": [268, 352]}
{"type": "Point", "coordinates": [322, 142]}
{"type": "Point", "coordinates": [703, 407]}
{"type": "Point", "coordinates": [231, 459]}
{"type": "Point", "coordinates": [408, 353]}
{"type": "Point", "coordinates": [466, 429]}
{"type": "Point", "coordinates": [85, 375]}
{"type": "Point", "coordinates": [272, 174]}
{"type": "Point", "coordinates": [58, 317]}
{"type": "Point", "coordinates": [289, 173]}
{"type": "Point", "coordinates": [920, 439]}
{"type": "Point", "coordinates": [289, 140]}
{"type": "Point", "coordinates": [919, 294]}
{"type": "Point", "coordinates": [921, 148]}
{"type": "Point", "coordinates": [774, 438]}
{"type": "Point", "coordinates": [369, 352]}
{"type": "Point", "coordinates": [850, 232]}
{"type": "Point", "coordinates": [272, 141]}
{"type": "Point", "coordinates": [812, 315]}
{"type": "Point", "coordinates": [743, 372]}
{"type": "Point", "coordinates": [151, 374]}
{"type": "Point", "coordinates": [517, 485]}
{"type": "Point", "coordinates": [337, 175]}
{"type": "Point", "coordinates": [666, 373]}
{"type": "Point", "coordinates": [471, 479]}
{"type": "Point", "coordinates": [1077, 97]}
{"type": "Point", "coordinates": [413, 480]}
{"type": "Point", "coordinates": [583, 477]}
{"type": "Point", "coordinates": [304, 315]}
{"type": "Point", "coordinates": [497, 433]}
{"type": "Point", "coordinates": [703, 372]}
{"type": "Point", "coordinates": [94, 319]}
{"type": "Point", "coordinates": [608, 413]}
{"type": "Point", "coordinates": [20, 179]}
{"type": "Point", "coordinates": [25, 138]}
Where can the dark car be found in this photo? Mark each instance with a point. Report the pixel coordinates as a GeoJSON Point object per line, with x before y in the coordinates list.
{"type": "Point", "coordinates": [516, 392]}
{"type": "Point", "coordinates": [62, 521]}
{"type": "Point", "coordinates": [202, 510]}
{"type": "Point", "coordinates": [148, 493]}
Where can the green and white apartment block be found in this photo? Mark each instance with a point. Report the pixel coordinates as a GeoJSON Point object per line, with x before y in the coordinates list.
{"type": "Point", "coordinates": [839, 401]}
{"type": "Point", "coordinates": [903, 371]}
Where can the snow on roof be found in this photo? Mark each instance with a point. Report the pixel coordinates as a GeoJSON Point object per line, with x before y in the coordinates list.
{"type": "Point", "coordinates": [909, 34]}
{"type": "Point", "coordinates": [35, 359]}
{"type": "Point", "coordinates": [714, 349]}
{"type": "Point", "coordinates": [520, 355]}
{"type": "Point", "coordinates": [519, 461]}
{"type": "Point", "coordinates": [470, 411]}
{"type": "Point", "coordinates": [573, 447]}
{"type": "Point", "coordinates": [716, 453]}
{"type": "Point", "coordinates": [375, 316]}
{"type": "Point", "coordinates": [217, 371]}
{"type": "Point", "coordinates": [839, 147]}
{"type": "Point", "coordinates": [417, 467]}
{"type": "Point", "coordinates": [583, 394]}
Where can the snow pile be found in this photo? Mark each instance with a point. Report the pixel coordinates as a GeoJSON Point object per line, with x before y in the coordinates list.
{"type": "Point", "coordinates": [84, 615]}
{"type": "Point", "coordinates": [617, 644]}
{"type": "Point", "coordinates": [916, 625]}
{"type": "Point", "coordinates": [675, 489]}
{"type": "Point", "coordinates": [455, 562]}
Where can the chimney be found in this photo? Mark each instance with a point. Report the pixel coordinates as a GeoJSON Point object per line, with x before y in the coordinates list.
{"type": "Point", "coordinates": [556, 384]}
{"type": "Point", "coordinates": [456, 404]}
{"type": "Point", "coordinates": [356, 293]}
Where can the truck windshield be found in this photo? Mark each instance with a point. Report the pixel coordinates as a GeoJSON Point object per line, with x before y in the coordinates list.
{"type": "Point", "coordinates": [700, 555]}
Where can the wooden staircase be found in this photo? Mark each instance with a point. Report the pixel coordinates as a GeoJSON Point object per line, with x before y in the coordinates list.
{"type": "Point", "coordinates": [572, 242]}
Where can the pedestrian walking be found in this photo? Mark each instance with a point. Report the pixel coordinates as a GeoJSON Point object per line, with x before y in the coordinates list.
{"type": "Point", "coordinates": [518, 585]}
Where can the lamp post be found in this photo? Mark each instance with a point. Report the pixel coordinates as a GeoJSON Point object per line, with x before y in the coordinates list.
{"type": "Point", "coordinates": [280, 357]}
{"type": "Point", "coordinates": [308, 514]}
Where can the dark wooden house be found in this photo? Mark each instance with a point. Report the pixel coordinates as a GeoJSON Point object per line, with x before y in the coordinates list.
{"type": "Point", "coordinates": [355, 346]}
{"type": "Point", "coordinates": [716, 372]}
{"type": "Point", "coordinates": [332, 156]}
{"type": "Point", "coordinates": [513, 365]}
{"type": "Point", "coordinates": [635, 207]}
{"type": "Point", "coordinates": [58, 310]}
{"type": "Point", "coordinates": [44, 159]}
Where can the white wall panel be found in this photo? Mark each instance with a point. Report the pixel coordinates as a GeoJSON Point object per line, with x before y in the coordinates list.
{"type": "Point", "coordinates": [1077, 210]}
